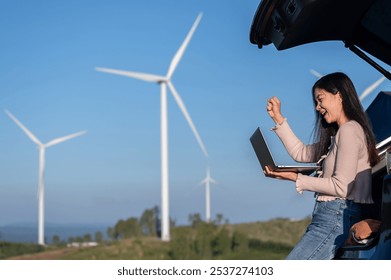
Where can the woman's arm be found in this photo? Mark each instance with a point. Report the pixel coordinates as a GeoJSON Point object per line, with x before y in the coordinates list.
{"type": "Point", "coordinates": [294, 146]}
{"type": "Point", "coordinates": [296, 149]}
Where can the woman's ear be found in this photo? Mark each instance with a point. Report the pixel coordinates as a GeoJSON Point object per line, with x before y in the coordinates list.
{"type": "Point", "coordinates": [340, 96]}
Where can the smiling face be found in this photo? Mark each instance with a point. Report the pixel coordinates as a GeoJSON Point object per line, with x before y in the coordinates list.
{"type": "Point", "coordinates": [329, 106]}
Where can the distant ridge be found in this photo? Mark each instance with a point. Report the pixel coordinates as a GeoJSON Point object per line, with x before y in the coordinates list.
{"type": "Point", "coordinates": [28, 232]}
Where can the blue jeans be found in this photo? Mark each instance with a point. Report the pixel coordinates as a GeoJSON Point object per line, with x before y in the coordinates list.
{"type": "Point", "coordinates": [328, 230]}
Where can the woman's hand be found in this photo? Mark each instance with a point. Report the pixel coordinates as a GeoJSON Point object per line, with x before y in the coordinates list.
{"type": "Point", "coordinates": [291, 176]}
{"type": "Point", "coordinates": [273, 108]}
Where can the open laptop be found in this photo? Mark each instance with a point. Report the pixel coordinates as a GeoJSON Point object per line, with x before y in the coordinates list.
{"type": "Point", "coordinates": [266, 159]}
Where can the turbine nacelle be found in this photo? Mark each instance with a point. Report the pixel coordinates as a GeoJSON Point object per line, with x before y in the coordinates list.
{"type": "Point", "coordinates": [164, 81]}
{"type": "Point", "coordinates": [208, 179]}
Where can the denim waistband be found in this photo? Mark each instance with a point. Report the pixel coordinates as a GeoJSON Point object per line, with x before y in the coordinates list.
{"type": "Point", "coordinates": [341, 201]}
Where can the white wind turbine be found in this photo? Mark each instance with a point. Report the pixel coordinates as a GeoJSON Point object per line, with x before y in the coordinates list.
{"type": "Point", "coordinates": [366, 92]}
{"type": "Point", "coordinates": [164, 82]}
{"type": "Point", "coordinates": [42, 148]}
{"type": "Point", "coordinates": [207, 181]}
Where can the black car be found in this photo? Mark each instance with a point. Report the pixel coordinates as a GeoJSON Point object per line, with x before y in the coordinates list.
{"type": "Point", "coordinates": [363, 27]}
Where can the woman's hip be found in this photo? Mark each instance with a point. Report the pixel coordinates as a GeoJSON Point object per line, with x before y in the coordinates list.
{"type": "Point", "coordinates": [336, 213]}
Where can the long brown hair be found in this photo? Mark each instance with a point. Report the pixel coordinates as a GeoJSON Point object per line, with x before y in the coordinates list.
{"type": "Point", "coordinates": [340, 83]}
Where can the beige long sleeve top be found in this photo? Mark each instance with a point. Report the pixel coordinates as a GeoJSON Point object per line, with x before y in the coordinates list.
{"type": "Point", "coordinates": [346, 170]}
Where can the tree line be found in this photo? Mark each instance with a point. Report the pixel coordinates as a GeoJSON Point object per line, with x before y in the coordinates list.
{"type": "Point", "coordinates": [198, 240]}
{"type": "Point", "coordinates": [217, 240]}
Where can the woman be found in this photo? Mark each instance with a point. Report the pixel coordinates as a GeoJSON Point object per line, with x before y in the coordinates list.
{"type": "Point", "coordinates": [345, 143]}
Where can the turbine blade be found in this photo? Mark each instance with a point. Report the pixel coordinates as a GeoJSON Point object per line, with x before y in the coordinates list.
{"type": "Point", "coordinates": [136, 75]}
{"type": "Point", "coordinates": [316, 73]}
{"type": "Point", "coordinates": [182, 106]}
{"type": "Point", "coordinates": [181, 50]}
{"type": "Point", "coordinates": [213, 181]}
{"type": "Point", "coordinates": [62, 139]}
{"type": "Point", "coordinates": [371, 88]}
{"type": "Point", "coordinates": [28, 132]}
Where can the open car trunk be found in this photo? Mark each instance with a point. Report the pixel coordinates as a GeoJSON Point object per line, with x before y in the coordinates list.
{"type": "Point", "coordinates": [363, 25]}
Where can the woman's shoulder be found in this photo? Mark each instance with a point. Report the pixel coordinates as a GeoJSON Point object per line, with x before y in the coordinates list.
{"type": "Point", "coordinates": [352, 129]}
{"type": "Point", "coordinates": [352, 124]}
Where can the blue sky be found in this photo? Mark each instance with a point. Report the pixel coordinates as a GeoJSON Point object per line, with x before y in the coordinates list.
{"type": "Point", "coordinates": [48, 54]}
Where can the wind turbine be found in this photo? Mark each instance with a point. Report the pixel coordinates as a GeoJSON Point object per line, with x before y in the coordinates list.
{"type": "Point", "coordinates": [164, 82]}
{"type": "Point", "coordinates": [366, 92]}
{"type": "Point", "coordinates": [42, 148]}
{"type": "Point", "coordinates": [207, 181]}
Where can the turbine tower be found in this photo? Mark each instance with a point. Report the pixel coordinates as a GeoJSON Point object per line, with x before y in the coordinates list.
{"type": "Point", "coordinates": [207, 181]}
{"type": "Point", "coordinates": [366, 92]}
{"type": "Point", "coordinates": [42, 148]}
{"type": "Point", "coordinates": [164, 82]}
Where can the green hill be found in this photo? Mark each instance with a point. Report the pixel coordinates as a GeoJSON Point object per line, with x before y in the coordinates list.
{"type": "Point", "coordinates": [278, 230]}
{"type": "Point", "coordinates": [259, 240]}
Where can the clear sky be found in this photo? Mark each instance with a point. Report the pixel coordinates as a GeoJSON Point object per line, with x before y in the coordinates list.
{"type": "Point", "coordinates": [49, 50]}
